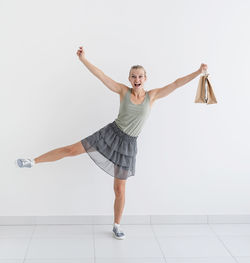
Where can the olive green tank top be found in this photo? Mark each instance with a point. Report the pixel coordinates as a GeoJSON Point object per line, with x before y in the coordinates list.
{"type": "Point", "coordinates": [132, 117]}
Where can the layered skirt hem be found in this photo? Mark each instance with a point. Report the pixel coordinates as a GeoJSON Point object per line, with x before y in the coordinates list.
{"type": "Point", "coordinates": [112, 150]}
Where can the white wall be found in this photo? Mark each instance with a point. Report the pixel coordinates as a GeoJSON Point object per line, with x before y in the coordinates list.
{"type": "Point", "coordinates": [192, 158]}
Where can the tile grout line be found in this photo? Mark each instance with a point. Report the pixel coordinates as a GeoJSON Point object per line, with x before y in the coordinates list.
{"type": "Point", "coordinates": [236, 261]}
{"type": "Point", "coordinates": [151, 226]}
{"type": "Point", "coordinates": [28, 246]}
{"type": "Point", "coordinates": [93, 234]}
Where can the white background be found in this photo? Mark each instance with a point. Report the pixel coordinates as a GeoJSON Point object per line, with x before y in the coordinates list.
{"type": "Point", "coordinates": [192, 158]}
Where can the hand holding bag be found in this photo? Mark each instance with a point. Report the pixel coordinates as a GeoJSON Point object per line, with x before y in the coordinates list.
{"type": "Point", "coordinates": [203, 94]}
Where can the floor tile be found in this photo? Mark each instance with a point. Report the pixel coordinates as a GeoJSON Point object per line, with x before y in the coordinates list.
{"type": "Point", "coordinates": [231, 229]}
{"type": "Point", "coordinates": [183, 230]}
{"type": "Point", "coordinates": [189, 243]}
{"type": "Point", "coordinates": [130, 260]}
{"type": "Point", "coordinates": [139, 242]}
{"type": "Point", "coordinates": [13, 248]}
{"type": "Point", "coordinates": [188, 246]}
{"type": "Point", "coordinates": [243, 259]}
{"type": "Point", "coordinates": [239, 246]}
{"type": "Point", "coordinates": [201, 260]}
{"type": "Point", "coordinates": [61, 248]}
{"type": "Point", "coordinates": [132, 247]}
{"type": "Point", "coordinates": [57, 231]}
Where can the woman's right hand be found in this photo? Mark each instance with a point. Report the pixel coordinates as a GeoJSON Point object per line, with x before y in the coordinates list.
{"type": "Point", "coordinates": [80, 53]}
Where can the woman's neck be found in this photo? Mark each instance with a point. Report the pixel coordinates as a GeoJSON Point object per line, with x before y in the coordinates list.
{"type": "Point", "coordinates": [138, 93]}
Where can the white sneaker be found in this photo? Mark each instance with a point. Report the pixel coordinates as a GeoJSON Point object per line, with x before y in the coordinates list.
{"type": "Point", "coordinates": [117, 232]}
{"type": "Point", "coordinates": [24, 163]}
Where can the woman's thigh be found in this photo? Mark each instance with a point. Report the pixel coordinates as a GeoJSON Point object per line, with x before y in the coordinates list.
{"type": "Point", "coordinates": [76, 148]}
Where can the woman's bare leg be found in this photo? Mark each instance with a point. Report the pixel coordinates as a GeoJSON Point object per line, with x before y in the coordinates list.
{"type": "Point", "coordinates": [119, 188]}
{"type": "Point", "coordinates": [59, 153]}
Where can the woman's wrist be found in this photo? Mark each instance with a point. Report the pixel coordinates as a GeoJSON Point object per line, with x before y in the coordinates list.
{"type": "Point", "coordinates": [83, 59]}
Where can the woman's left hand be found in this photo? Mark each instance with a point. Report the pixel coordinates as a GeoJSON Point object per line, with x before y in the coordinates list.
{"type": "Point", "coordinates": [203, 68]}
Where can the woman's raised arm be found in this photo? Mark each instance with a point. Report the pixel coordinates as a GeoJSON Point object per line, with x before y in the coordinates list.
{"type": "Point", "coordinates": [166, 90]}
{"type": "Point", "coordinates": [107, 81]}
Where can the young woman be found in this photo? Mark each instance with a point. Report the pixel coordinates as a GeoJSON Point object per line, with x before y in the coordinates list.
{"type": "Point", "coordinates": [114, 147]}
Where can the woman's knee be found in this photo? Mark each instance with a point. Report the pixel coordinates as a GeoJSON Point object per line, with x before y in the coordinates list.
{"type": "Point", "coordinates": [119, 187]}
{"type": "Point", "coordinates": [119, 192]}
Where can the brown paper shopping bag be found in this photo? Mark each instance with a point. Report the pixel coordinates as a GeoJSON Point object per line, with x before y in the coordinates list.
{"type": "Point", "coordinates": [205, 94]}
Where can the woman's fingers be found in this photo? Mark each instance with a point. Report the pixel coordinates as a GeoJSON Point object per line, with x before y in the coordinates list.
{"type": "Point", "coordinates": [80, 51]}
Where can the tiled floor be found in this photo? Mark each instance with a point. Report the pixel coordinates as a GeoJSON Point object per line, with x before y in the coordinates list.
{"type": "Point", "coordinates": [191, 243]}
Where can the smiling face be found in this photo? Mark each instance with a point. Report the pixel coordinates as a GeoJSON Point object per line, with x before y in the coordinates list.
{"type": "Point", "coordinates": [137, 78]}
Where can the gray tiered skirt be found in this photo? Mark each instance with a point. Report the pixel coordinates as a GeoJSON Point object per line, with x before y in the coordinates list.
{"type": "Point", "coordinates": [112, 150]}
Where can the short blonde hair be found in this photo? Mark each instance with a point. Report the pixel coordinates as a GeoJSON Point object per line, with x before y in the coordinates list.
{"type": "Point", "coordinates": [137, 67]}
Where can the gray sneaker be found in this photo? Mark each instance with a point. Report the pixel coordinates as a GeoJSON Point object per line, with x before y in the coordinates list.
{"type": "Point", "coordinates": [24, 163]}
{"type": "Point", "coordinates": [118, 233]}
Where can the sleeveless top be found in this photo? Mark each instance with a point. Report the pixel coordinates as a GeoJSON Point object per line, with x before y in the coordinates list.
{"type": "Point", "coordinates": [132, 116]}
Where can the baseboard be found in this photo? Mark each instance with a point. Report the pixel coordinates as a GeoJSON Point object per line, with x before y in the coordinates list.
{"type": "Point", "coordinates": [126, 219]}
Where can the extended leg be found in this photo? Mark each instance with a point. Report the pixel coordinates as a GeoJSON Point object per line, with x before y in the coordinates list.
{"type": "Point", "coordinates": [59, 153]}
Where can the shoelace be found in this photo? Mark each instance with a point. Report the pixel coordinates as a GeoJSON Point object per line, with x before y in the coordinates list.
{"type": "Point", "coordinates": [119, 230]}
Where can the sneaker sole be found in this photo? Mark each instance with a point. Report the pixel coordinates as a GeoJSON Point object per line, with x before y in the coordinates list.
{"type": "Point", "coordinates": [120, 238]}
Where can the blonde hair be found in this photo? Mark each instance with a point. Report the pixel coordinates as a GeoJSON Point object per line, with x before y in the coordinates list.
{"type": "Point", "coordinates": [137, 67]}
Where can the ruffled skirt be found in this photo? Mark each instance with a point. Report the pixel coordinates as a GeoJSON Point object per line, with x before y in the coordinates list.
{"type": "Point", "coordinates": [112, 150]}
